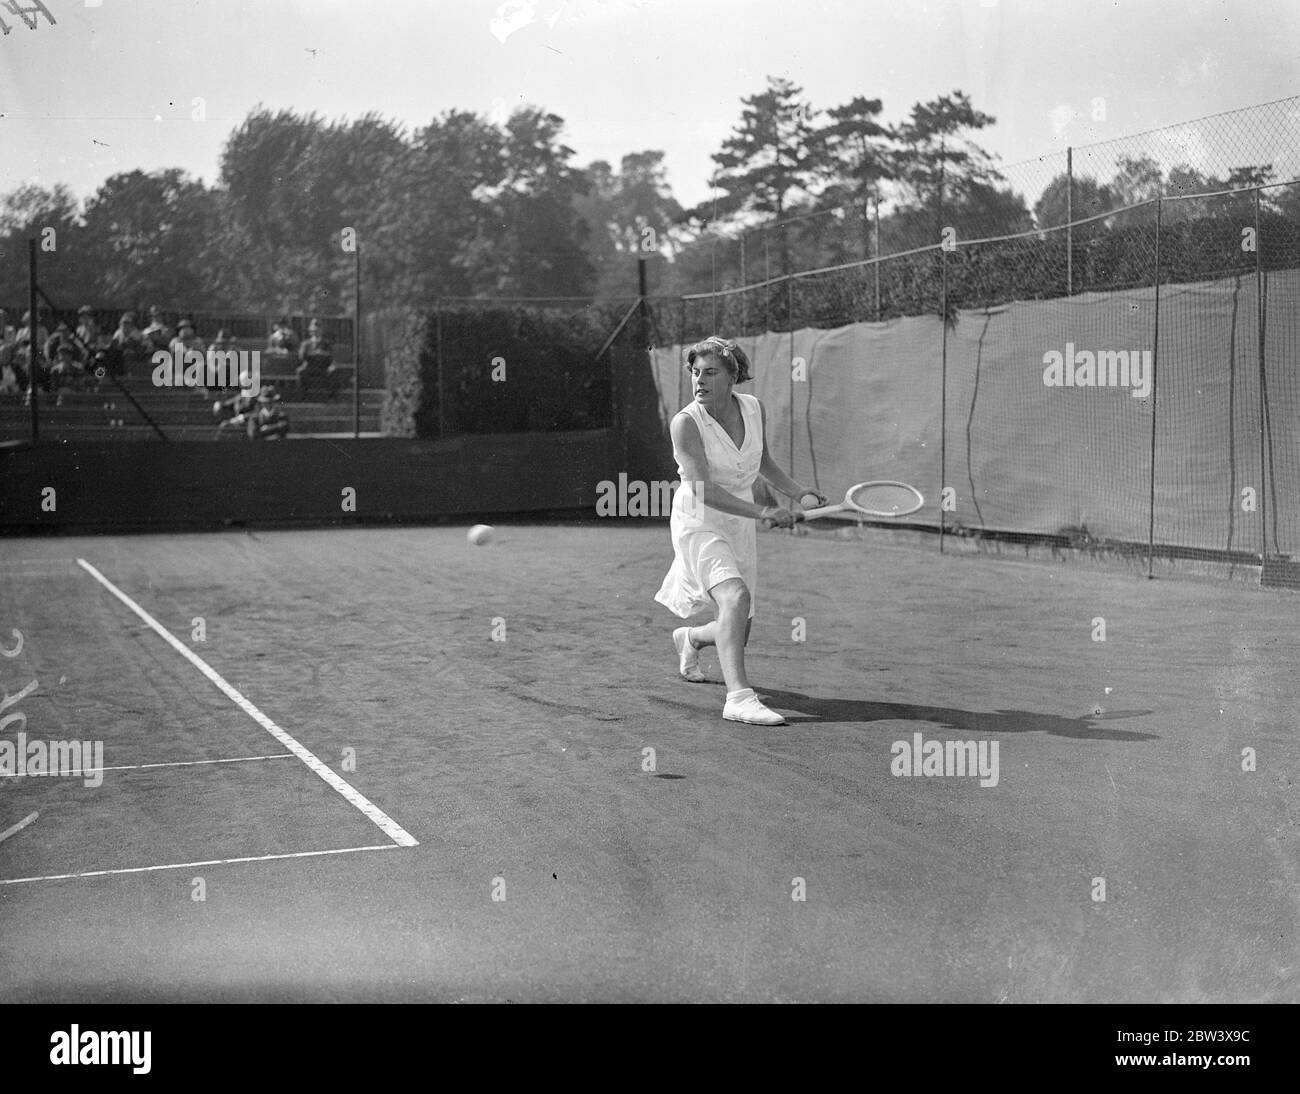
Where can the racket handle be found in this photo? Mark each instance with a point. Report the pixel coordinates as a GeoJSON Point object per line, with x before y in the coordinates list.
{"type": "Point", "coordinates": [768, 522]}
{"type": "Point", "coordinates": [822, 511]}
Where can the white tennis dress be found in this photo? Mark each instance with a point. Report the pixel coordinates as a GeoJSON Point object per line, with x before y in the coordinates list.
{"type": "Point", "coordinates": [711, 546]}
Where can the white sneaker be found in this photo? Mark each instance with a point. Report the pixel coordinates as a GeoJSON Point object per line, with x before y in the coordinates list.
{"type": "Point", "coordinates": [688, 657]}
{"type": "Point", "coordinates": [748, 708]}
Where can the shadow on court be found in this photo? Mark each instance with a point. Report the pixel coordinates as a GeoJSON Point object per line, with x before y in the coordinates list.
{"type": "Point", "coordinates": [801, 710]}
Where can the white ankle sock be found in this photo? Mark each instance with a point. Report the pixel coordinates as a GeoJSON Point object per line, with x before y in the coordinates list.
{"type": "Point", "coordinates": [739, 696]}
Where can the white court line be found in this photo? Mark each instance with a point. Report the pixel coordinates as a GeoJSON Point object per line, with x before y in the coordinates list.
{"type": "Point", "coordinates": [189, 865]}
{"type": "Point", "coordinates": [390, 827]}
{"type": "Point", "coordinates": [196, 763]}
{"type": "Point", "coordinates": [173, 763]}
{"type": "Point", "coordinates": [18, 827]}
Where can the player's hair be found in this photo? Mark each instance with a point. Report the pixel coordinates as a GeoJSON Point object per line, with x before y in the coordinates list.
{"type": "Point", "coordinates": [733, 358]}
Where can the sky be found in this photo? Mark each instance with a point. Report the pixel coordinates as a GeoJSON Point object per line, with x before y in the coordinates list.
{"type": "Point", "coordinates": [118, 85]}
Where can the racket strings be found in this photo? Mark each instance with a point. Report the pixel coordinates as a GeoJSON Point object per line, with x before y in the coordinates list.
{"type": "Point", "coordinates": [886, 498]}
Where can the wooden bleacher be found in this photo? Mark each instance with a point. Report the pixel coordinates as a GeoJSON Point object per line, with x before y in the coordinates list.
{"type": "Point", "coordinates": [183, 414]}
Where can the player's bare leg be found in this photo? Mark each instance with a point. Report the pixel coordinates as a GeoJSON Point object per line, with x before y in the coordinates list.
{"type": "Point", "coordinates": [707, 635]}
{"type": "Point", "coordinates": [730, 635]}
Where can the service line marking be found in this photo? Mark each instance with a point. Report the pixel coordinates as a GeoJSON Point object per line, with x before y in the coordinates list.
{"type": "Point", "coordinates": [390, 827]}
{"type": "Point", "coordinates": [173, 763]}
{"type": "Point", "coordinates": [206, 862]}
{"type": "Point", "coordinates": [14, 829]}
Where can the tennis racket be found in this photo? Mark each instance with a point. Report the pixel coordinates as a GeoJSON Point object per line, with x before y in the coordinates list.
{"type": "Point", "coordinates": [878, 498]}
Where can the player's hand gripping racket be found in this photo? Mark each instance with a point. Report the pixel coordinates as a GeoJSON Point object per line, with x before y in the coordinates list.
{"type": "Point", "coordinates": [873, 499]}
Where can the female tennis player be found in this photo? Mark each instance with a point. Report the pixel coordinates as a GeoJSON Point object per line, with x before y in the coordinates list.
{"type": "Point", "coordinates": [720, 442]}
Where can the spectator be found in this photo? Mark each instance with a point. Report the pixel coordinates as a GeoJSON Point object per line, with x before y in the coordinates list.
{"type": "Point", "coordinates": [67, 361]}
{"type": "Point", "coordinates": [9, 384]}
{"type": "Point", "coordinates": [62, 336]}
{"type": "Point", "coordinates": [92, 341]}
{"type": "Point", "coordinates": [24, 331]}
{"type": "Point", "coordinates": [268, 420]}
{"type": "Point", "coordinates": [232, 413]}
{"type": "Point", "coordinates": [128, 347]}
{"type": "Point", "coordinates": [22, 360]}
{"type": "Point", "coordinates": [157, 333]}
{"type": "Point", "coordinates": [282, 342]}
{"type": "Point", "coordinates": [67, 370]}
{"type": "Point", "coordinates": [222, 343]}
{"type": "Point", "coordinates": [185, 340]}
{"type": "Point", "coordinates": [8, 345]}
{"type": "Point", "coordinates": [317, 363]}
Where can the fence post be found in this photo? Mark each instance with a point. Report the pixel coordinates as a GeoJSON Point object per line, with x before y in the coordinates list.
{"type": "Point", "coordinates": [442, 392]}
{"type": "Point", "coordinates": [789, 318]}
{"type": "Point", "coordinates": [356, 342]}
{"type": "Point", "coordinates": [1155, 360]}
{"type": "Point", "coordinates": [767, 277]}
{"type": "Point", "coordinates": [33, 343]}
{"type": "Point", "coordinates": [681, 346]}
{"type": "Point", "coordinates": [744, 310]}
{"type": "Point", "coordinates": [1263, 392]}
{"type": "Point", "coordinates": [1069, 222]}
{"type": "Point", "coordinates": [643, 333]}
{"type": "Point", "coordinates": [943, 385]}
{"type": "Point", "coordinates": [876, 255]}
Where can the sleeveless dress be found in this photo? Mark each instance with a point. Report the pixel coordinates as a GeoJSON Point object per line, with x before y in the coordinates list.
{"type": "Point", "coordinates": [710, 546]}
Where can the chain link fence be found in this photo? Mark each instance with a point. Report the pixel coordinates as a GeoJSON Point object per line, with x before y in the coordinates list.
{"type": "Point", "coordinates": [1127, 381]}
{"type": "Point", "coordinates": [1253, 146]}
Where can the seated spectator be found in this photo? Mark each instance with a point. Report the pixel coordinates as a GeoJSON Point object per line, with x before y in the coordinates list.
{"type": "Point", "coordinates": [24, 331]}
{"type": "Point", "coordinates": [93, 343]}
{"type": "Point", "coordinates": [282, 342]}
{"type": "Point", "coordinates": [222, 343]}
{"type": "Point", "coordinates": [185, 340]}
{"type": "Point", "coordinates": [158, 334]}
{"type": "Point", "coordinates": [62, 336]}
{"type": "Point", "coordinates": [8, 344]}
{"type": "Point", "coordinates": [128, 348]}
{"type": "Point", "coordinates": [267, 421]}
{"type": "Point", "coordinates": [232, 413]}
{"type": "Point", "coordinates": [9, 384]}
{"type": "Point", "coordinates": [22, 360]}
{"type": "Point", "coordinates": [24, 372]}
{"type": "Point", "coordinates": [317, 364]}
{"type": "Point", "coordinates": [66, 370]}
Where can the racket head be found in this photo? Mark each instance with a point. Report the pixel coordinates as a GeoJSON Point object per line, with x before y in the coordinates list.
{"type": "Point", "coordinates": [884, 498]}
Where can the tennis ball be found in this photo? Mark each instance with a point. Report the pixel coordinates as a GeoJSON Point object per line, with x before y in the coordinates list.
{"type": "Point", "coordinates": [480, 535]}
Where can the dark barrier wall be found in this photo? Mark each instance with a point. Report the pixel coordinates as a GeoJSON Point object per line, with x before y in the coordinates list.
{"type": "Point", "coordinates": [156, 485]}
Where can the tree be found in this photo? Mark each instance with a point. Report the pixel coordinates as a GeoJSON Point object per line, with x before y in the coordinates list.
{"type": "Point", "coordinates": [531, 243]}
{"type": "Point", "coordinates": [937, 162]}
{"type": "Point", "coordinates": [432, 206]}
{"type": "Point", "coordinates": [292, 184]}
{"type": "Point", "coordinates": [858, 155]}
{"type": "Point", "coordinates": [774, 152]}
{"type": "Point", "coordinates": [148, 238]}
{"type": "Point", "coordinates": [26, 213]}
{"type": "Point", "coordinates": [631, 213]}
{"type": "Point", "coordinates": [1090, 198]}
{"type": "Point", "coordinates": [1138, 179]}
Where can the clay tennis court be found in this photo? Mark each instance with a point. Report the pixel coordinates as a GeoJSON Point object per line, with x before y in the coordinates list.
{"type": "Point", "coordinates": [517, 768]}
